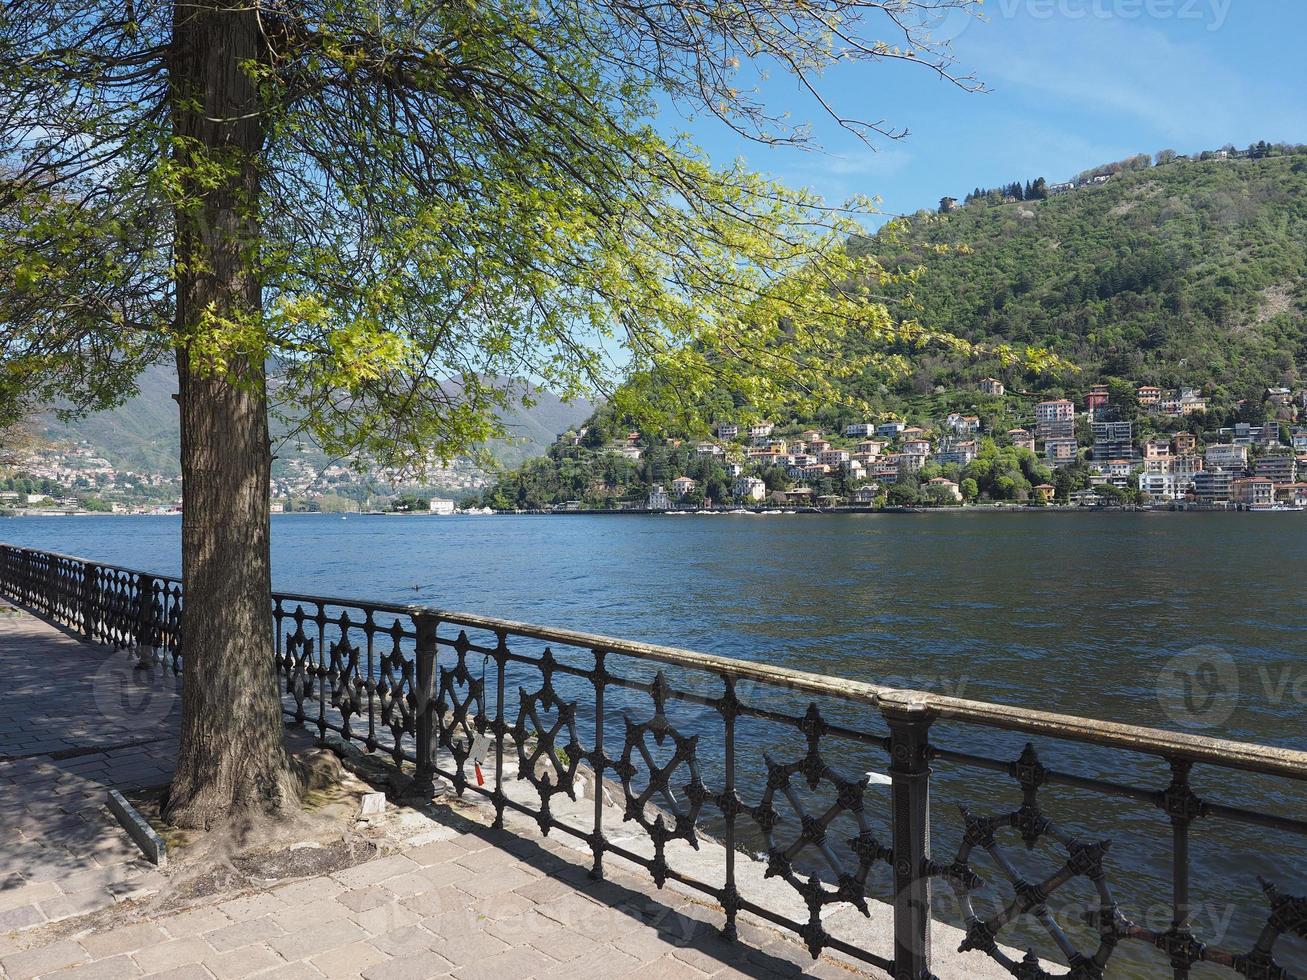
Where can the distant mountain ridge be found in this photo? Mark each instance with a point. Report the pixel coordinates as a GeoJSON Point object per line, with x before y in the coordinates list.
{"type": "Point", "coordinates": [142, 434]}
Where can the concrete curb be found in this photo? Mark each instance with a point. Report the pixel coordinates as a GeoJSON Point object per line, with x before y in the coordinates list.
{"type": "Point", "coordinates": [150, 843]}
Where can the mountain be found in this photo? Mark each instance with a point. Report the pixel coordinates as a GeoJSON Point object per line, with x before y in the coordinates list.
{"type": "Point", "coordinates": [1190, 273]}
{"type": "Point", "coordinates": [142, 434]}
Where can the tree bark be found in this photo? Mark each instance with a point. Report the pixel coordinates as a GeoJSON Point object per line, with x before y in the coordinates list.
{"type": "Point", "coordinates": [231, 759]}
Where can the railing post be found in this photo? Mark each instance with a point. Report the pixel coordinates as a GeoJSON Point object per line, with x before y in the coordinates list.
{"type": "Point", "coordinates": [90, 601]}
{"type": "Point", "coordinates": [145, 632]}
{"type": "Point", "coordinates": [909, 725]}
{"type": "Point", "coordinates": [424, 784]}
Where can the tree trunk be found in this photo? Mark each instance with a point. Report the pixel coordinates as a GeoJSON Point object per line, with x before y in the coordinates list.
{"type": "Point", "coordinates": [232, 759]}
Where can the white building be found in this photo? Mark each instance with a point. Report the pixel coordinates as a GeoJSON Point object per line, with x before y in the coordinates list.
{"type": "Point", "coordinates": [439, 505]}
{"type": "Point", "coordinates": [682, 485]}
{"type": "Point", "coordinates": [890, 430]}
{"type": "Point", "coordinates": [761, 431]}
{"type": "Point", "coordinates": [1227, 456]}
{"type": "Point", "coordinates": [750, 488]}
{"type": "Point", "coordinates": [860, 429]}
{"type": "Point", "coordinates": [658, 498]}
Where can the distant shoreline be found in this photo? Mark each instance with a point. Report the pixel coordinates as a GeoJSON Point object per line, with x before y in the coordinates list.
{"type": "Point", "coordinates": [731, 512]}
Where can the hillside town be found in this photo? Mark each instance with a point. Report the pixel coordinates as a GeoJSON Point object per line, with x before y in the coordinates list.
{"type": "Point", "coordinates": [65, 478]}
{"type": "Point", "coordinates": [1141, 446]}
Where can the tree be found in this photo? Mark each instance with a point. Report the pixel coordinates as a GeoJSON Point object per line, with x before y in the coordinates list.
{"type": "Point", "coordinates": [390, 208]}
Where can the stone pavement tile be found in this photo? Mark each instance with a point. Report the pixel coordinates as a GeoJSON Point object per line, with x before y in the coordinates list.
{"type": "Point", "coordinates": [63, 906]}
{"type": "Point", "coordinates": [665, 968]}
{"type": "Point", "coordinates": [172, 954]}
{"type": "Point", "coordinates": [495, 882]}
{"type": "Point", "coordinates": [125, 940]}
{"type": "Point", "coordinates": [409, 939]}
{"type": "Point", "coordinates": [521, 962]}
{"type": "Point", "coordinates": [243, 961]}
{"type": "Point", "coordinates": [416, 966]}
{"type": "Point", "coordinates": [544, 889]}
{"type": "Point", "coordinates": [437, 852]}
{"type": "Point", "coordinates": [310, 914]}
{"type": "Point", "coordinates": [307, 940]}
{"type": "Point", "coordinates": [193, 971]}
{"type": "Point", "coordinates": [646, 944]}
{"type": "Point", "coordinates": [113, 968]}
{"type": "Point", "coordinates": [309, 890]}
{"type": "Point", "coordinates": [44, 959]}
{"type": "Point", "coordinates": [472, 842]}
{"type": "Point", "coordinates": [601, 963]}
{"type": "Point", "coordinates": [411, 883]}
{"type": "Point", "coordinates": [252, 906]}
{"type": "Point", "coordinates": [439, 901]}
{"type": "Point", "coordinates": [194, 922]}
{"type": "Point", "coordinates": [292, 971]}
{"type": "Point", "coordinates": [243, 934]}
{"type": "Point", "coordinates": [385, 918]}
{"type": "Point", "coordinates": [372, 872]}
{"type": "Point", "coordinates": [26, 894]}
{"type": "Point", "coordinates": [502, 906]}
{"type": "Point", "coordinates": [365, 897]}
{"type": "Point", "coordinates": [21, 917]}
{"type": "Point", "coordinates": [348, 961]}
{"type": "Point", "coordinates": [711, 953]}
{"type": "Point", "coordinates": [544, 934]}
{"type": "Point", "coordinates": [479, 861]}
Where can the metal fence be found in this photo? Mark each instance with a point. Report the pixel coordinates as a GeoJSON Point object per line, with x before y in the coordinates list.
{"type": "Point", "coordinates": [774, 761]}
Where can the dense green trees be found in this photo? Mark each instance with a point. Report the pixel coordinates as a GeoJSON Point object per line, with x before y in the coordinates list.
{"type": "Point", "coordinates": [1182, 274]}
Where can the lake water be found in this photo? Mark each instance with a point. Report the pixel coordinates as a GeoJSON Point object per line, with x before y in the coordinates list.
{"type": "Point", "coordinates": [1085, 614]}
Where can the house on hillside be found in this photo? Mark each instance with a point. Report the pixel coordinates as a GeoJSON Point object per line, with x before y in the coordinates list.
{"type": "Point", "coordinates": [658, 498]}
{"type": "Point", "coordinates": [864, 496]}
{"type": "Point", "coordinates": [992, 387]}
{"type": "Point", "coordinates": [947, 486]}
{"type": "Point", "coordinates": [682, 485]}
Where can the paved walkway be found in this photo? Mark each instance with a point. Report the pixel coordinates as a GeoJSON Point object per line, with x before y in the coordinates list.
{"type": "Point", "coordinates": [451, 898]}
{"type": "Point", "coordinates": [79, 721]}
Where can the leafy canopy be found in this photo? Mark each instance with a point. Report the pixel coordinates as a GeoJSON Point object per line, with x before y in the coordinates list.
{"type": "Point", "coordinates": [444, 194]}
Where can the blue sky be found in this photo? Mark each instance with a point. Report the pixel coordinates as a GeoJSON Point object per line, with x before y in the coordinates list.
{"type": "Point", "coordinates": [1072, 83]}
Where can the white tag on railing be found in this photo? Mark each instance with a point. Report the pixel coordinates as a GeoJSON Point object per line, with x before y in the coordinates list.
{"type": "Point", "coordinates": [480, 748]}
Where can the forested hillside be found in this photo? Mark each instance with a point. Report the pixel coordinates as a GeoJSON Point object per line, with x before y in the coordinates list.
{"type": "Point", "coordinates": [1181, 274]}
{"type": "Point", "coordinates": [1188, 273]}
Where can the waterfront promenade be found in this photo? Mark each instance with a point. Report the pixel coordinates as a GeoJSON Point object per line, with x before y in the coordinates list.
{"type": "Point", "coordinates": [435, 893]}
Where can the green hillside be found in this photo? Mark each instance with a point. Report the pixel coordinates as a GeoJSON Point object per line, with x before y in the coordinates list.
{"type": "Point", "coordinates": [1186, 274]}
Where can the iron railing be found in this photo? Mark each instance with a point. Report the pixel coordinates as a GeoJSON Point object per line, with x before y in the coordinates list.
{"type": "Point", "coordinates": [691, 744]}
